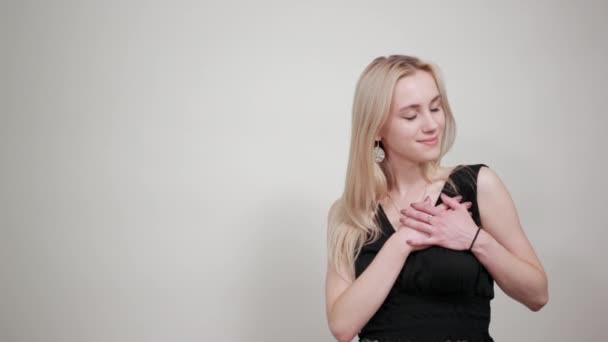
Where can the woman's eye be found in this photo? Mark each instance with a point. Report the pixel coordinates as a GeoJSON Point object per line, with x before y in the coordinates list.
{"type": "Point", "coordinates": [410, 118]}
{"type": "Point", "coordinates": [435, 110]}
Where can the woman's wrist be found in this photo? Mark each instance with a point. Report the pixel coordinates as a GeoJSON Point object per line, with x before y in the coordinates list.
{"type": "Point", "coordinates": [399, 245]}
{"type": "Point", "coordinates": [477, 230]}
{"type": "Point", "coordinates": [482, 243]}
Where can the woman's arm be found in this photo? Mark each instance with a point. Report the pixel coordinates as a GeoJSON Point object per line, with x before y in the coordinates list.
{"type": "Point", "coordinates": [351, 304]}
{"type": "Point", "coordinates": [502, 246]}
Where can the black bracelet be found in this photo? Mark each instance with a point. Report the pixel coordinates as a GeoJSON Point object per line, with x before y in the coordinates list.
{"type": "Point", "coordinates": [475, 238]}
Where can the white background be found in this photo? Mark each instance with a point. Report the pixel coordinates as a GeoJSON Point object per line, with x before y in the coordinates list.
{"type": "Point", "coordinates": [167, 167]}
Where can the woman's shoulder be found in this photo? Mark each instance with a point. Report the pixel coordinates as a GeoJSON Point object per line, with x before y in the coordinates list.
{"type": "Point", "coordinates": [488, 180]}
{"type": "Point", "coordinates": [471, 169]}
{"type": "Point", "coordinates": [465, 177]}
{"type": "Point", "coordinates": [335, 214]}
{"type": "Point", "coordinates": [334, 208]}
{"type": "Point", "coordinates": [480, 177]}
{"type": "Point", "coordinates": [457, 171]}
{"type": "Point", "coordinates": [473, 166]}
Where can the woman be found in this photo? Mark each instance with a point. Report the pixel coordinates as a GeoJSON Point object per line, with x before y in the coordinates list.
{"type": "Point", "coordinates": [414, 247]}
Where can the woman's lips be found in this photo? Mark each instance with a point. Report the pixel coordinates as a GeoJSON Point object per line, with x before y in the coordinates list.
{"type": "Point", "coordinates": [432, 141]}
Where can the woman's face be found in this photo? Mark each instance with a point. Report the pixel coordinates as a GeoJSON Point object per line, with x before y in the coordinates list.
{"type": "Point", "coordinates": [416, 115]}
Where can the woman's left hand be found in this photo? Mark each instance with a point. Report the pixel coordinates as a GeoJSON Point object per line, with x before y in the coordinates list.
{"type": "Point", "coordinates": [453, 228]}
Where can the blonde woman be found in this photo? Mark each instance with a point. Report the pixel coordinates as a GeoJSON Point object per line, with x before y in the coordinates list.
{"type": "Point", "coordinates": [414, 247]}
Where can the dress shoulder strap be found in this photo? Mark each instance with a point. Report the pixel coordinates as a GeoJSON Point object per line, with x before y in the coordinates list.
{"type": "Point", "coordinates": [464, 178]}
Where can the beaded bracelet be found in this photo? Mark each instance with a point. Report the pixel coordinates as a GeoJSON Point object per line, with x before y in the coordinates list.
{"type": "Point", "coordinates": [475, 238]}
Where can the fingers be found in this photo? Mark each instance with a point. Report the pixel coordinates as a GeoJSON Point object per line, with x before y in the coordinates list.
{"type": "Point", "coordinates": [440, 208]}
{"type": "Point", "coordinates": [417, 224]}
{"type": "Point", "coordinates": [421, 210]}
{"type": "Point", "coordinates": [451, 202]}
{"type": "Point", "coordinates": [414, 243]}
{"type": "Point", "coordinates": [425, 207]}
{"type": "Point", "coordinates": [444, 207]}
{"type": "Point", "coordinates": [420, 242]}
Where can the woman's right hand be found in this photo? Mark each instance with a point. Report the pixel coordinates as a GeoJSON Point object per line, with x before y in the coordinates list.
{"type": "Point", "coordinates": [404, 233]}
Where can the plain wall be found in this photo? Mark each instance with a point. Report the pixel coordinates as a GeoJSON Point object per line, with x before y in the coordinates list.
{"type": "Point", "coordinates": [167, 167]}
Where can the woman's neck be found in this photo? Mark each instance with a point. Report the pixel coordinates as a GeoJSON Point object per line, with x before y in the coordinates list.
{"type": "Point", "coordinates": [409, 183]}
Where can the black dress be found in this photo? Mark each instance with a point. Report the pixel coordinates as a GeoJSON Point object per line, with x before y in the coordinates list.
{"type": "Point", "coordinates": [440, 295]}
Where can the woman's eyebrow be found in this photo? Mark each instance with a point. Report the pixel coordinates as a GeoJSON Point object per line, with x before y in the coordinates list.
{"type": "Point", "coordinates": [415, 105]}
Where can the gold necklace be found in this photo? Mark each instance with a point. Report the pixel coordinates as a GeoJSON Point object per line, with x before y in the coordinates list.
{"type": "Point", "coordinates": [395, 204]}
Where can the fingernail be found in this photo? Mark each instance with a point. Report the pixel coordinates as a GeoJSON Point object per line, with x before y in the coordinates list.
{"type": "Point", "coordinates": [427, 198]}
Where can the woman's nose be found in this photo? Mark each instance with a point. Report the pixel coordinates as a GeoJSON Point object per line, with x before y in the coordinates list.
{"type": "Point", "coordinates": [430, 123]}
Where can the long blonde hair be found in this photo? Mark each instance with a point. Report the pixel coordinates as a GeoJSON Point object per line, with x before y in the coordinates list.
{"type": "Point", "coordinates": [351, 222]}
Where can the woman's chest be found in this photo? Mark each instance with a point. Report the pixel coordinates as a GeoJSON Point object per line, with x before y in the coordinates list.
{"type": "Point", "coordinates": [440, 271]}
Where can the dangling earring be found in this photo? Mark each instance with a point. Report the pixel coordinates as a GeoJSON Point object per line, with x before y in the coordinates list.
{"type": "Point", "coordinates": [378, 152]}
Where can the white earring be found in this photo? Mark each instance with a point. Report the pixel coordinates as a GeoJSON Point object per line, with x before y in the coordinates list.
{"type": "Point", "coordinates": [378, 152]}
